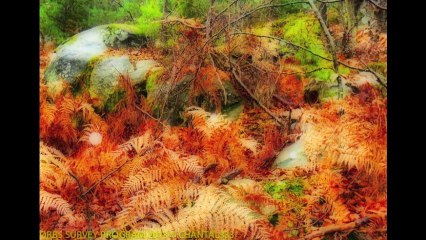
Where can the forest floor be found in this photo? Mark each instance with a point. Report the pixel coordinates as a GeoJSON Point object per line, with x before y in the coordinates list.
{"type": "Point", "coordinates": [130, 171]}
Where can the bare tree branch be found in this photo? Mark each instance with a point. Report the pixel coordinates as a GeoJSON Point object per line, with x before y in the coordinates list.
{"type": "Point", "coordinates": [250, 13]}
{"type": "Point", "coordinates": [255, 99]}
{"type": "Point", "coordinates": [285, 41]}
{"type": "Point", "coordinates": [379, 78]}
{"type": "Point", "coordinates": [149, 115]}
{"type": "Point", "coordinates": [332, 46]}
{"type": "Point", "coordinates": [224, 10]}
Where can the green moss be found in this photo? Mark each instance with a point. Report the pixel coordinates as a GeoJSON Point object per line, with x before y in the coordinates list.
{"type": "Point", "coordinates": [343, 70]}
{"type": "Point", "coordinates": [379, 67]}
{"type": "Point", "coordinates": [134, 29]}
{"type": "Point", "coordinates": [113, 100]}
{"type": "Point", "coordinates": [83, 80]}
{"type": "Point", "coordinates": [305, 30]}
{"type": "Point", "coordinates": [151, 81]}
{"type": "Point", "coordinates": [322, 75]}
{"type": "Point", "coordinates": [148, 22]}
{"type": "Point", "coordinates": [279, 190]}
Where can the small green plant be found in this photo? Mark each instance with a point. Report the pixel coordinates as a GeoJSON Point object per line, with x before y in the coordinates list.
{"type": "Point", "coordinates": [278, 190]}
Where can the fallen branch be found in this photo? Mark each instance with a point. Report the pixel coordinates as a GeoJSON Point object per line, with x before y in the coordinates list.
{"type": "Point", "coordinates": [378, 78]}
{"type": "Point", "coordinates": [283, 40]}
{"type": "Point", "coordinates": [230, 175]}
{"type": "Point", "coordinates": [330, 1]}
{"type": "Point", "coordinates": [336, 228]}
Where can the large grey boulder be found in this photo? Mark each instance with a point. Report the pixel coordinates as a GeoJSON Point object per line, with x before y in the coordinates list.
{"type": "Point", "coordinates": [103, 79]}
{"type": "Point", "coordinates": [84, 59]}
{"type": "Point", "coordinates": [73, 58]}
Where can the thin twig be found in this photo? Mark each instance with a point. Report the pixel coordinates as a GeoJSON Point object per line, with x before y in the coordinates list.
{"type": "Point", "coordinates": [255, 99]}
{"type": "Point", "coordinates": [336, 228]}
{"type": "Point", "coordinates": [250, 13]}
{"type": "Point", "coordinates": [283, 40]}
{"type": "Point", "coordinates": [315, 54]}
{"type": "Point", "coordinates": [86, 201]}
{"type": "Point", "coordinates": [378, 78]}
{"type": "Point", "coordinates": [224, 10]}
{"type": "Point", "coordinates": [149, 115]}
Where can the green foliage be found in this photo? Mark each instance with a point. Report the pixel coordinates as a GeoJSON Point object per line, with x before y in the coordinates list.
{"type": "Point", "coordinates": [278, 190]}
{"type": "Point", "coordinates": [62, 19]}
{"type": "Point", "coordinates": [191, 8]}
{"type": "Point", "coordinates": [151, 82]}
{"type": "Point", "coordinates": [107, 11]}
{"type": "Point", "coordinates": [305, 30]}
{"type": "Point", "coordinates": [148, 22]}
{"type": "Point", "coordinates": [379, 67]}
{"type": "Point", "coordinates": [291, 8]}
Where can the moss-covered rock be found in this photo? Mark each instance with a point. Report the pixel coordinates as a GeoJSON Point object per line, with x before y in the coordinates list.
{"type": "Point", "coordinates": [83, 63]}
{"type": "Point", "coordinates": [71, 59]}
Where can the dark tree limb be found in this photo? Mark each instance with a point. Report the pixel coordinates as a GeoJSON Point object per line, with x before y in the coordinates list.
{"type": "Point", "coordinates": [230, 175]}
{"type": "Point", "coordinates": [284, 101]}
{"type": "Point", "coordinates": [283, 40]}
